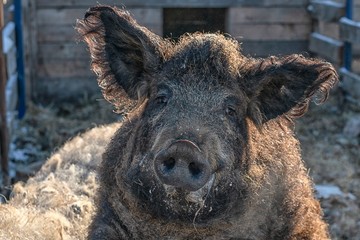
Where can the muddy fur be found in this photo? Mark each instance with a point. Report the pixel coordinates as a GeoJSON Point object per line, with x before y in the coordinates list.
{"type": "Point", "coordinates": [57, 203]}
{"type": "Point", "coordinates": [231, 116]}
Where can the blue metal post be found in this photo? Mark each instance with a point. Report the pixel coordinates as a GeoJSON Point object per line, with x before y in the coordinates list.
{"type": "Point", "coordinates": [20, 58]}
{"type": "Point", "coordinates": [347, 45]}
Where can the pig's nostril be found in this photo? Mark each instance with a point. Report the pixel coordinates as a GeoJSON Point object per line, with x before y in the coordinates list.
{"type": "Point", "coordinates": [194, 169]}
{"type": "Point", "coordinates": [169, 164]}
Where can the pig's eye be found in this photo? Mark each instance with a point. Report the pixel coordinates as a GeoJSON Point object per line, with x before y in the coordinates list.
{"type": "Point", "coordinates": [161, 99]}
{"type": "Point", "coordinates": [230, 111]}
{"type": "Point", "coordinates": [162, 96]}
{"type": "Point", "coordinates": [231, 107]}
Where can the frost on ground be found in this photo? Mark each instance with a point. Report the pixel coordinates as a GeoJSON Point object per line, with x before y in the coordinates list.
{"type": "Point", "coordinates": [329, 136]}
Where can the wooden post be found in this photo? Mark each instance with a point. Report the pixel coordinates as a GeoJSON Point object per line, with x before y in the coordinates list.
{"type": "Point", "coordinates": [348, 45]}
{"type": "Point", "coordinates": [3, 124]}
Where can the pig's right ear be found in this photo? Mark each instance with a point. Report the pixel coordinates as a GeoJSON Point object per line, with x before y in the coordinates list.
{"type": "Point", "coordinates": [123, 54]}
{"type": "Point", "coordinates": [285, 86]}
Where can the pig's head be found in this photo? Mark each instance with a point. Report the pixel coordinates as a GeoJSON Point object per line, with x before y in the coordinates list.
{"type": "Point", "coordinates": [187, 155]}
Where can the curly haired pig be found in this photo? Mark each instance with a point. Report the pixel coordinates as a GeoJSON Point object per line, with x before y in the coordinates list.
{"type": "Point", "coordinates": [207, 150]}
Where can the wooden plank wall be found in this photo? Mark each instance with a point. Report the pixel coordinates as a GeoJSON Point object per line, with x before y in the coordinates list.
{"type": "Point", "coordinates": [270, 30]}
{"type": "Point", "coordinates": [61, 64]}
{"type": "Point", "coordinates": [331, 30]}
{"type": "Point", "coordinates": [350, 32]}
{"type": "Point", "coordinates": [62, 61]}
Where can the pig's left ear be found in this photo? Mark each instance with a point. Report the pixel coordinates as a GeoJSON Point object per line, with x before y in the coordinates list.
{"type": "Point", "coordinates": [123, 53]}
{"type": "Point", "coordinates": [277, 86]}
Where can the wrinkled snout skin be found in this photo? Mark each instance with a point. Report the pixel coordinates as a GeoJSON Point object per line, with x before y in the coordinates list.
{"type": "Point", "coordinates": [207, 150]}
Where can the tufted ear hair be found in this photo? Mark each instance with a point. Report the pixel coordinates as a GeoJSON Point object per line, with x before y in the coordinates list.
{"type": "Point", "coordinates": [277, 86]}
{"type": "Point", "coordinates": [123, 54]}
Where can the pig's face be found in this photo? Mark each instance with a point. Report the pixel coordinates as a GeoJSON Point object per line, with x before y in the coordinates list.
{"type": "Point", "coordinates": [187, 156]}
{"type": "Point", "coordinates": [193, 137]}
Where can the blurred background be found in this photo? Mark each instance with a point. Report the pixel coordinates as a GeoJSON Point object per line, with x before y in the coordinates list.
{"type": "Point", "coordinates": [48, 93]}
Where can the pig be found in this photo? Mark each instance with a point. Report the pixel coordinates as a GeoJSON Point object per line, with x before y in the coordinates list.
{"type": "Point", "coordinates": [207, 150]}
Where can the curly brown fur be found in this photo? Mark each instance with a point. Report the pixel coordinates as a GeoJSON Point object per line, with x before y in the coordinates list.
{"type": "Point", "coordinates": [295, 74]}
{"type": "Point", "coordinates": [209, 151]}
{"type": "Point", "coordinates": [104, 44]}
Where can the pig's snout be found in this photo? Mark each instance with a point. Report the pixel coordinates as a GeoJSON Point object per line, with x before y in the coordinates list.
{"type": "Point", "coordinates": [183, 165]}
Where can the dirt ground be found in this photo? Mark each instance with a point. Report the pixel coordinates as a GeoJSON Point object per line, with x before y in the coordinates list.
{"type": "Point", "coordinates": [329, 134]}
{"type": "Point", "coordinates": [330, 141]}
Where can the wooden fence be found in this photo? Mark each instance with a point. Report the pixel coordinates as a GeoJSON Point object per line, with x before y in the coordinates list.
{"type": "Point", "coordinates": [8, 78]}
{"type": "Point", "coordinates": [337, 39]}
{"type": "Point", "coordinates": [58, 66]}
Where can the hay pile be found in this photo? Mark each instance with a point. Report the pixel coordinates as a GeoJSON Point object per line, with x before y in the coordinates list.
{"type": "Point", "coordinates": [57, 203]}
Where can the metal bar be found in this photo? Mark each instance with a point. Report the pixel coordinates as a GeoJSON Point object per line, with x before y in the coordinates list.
{"type": "Point", "coordinates": [3, 124]}
{"type": "Point", "coordinates": [347, 45]}
{"type": "Point", "coordinates": [20, 59]}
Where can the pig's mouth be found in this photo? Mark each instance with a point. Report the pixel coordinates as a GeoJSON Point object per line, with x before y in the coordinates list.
{"type": "Point", "coordinates": [173, 203]}
{"type": "Point", "coordinates": [197, 197]}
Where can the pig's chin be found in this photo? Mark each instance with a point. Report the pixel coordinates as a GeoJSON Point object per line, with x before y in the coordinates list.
{"type": "Point", "coordinates": [168, 203]}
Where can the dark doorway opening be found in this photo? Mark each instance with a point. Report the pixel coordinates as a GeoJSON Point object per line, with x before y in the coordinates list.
{"type": "Point", "coordinates": [178, 21]}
